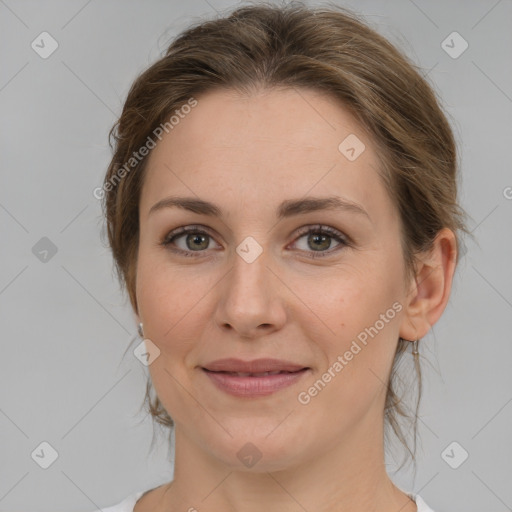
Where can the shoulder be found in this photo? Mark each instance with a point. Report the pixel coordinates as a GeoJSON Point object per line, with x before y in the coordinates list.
{"type": "Point", "coordinates": [420, 503]}
{"type": "Point", "coordinates": [127, 505]}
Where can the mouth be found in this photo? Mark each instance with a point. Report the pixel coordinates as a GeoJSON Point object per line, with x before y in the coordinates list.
{"type": "Point", "coordinates": [253, 367]}
{"type": "Point", "coordinates": [254, 384]}
{"type": "Point", "coordinates": [254, 374]}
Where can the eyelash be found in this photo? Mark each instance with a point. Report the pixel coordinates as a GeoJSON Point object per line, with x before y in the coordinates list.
{"type": "Point", "coordinates": [318, 229]}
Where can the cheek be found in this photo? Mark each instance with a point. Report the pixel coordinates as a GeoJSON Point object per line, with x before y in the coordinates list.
{"type": "Point", "coordinates": [355, 371]}
{"type": "Point", "coordinates": [363, 309]}
{"type": "Point", "coordinates": [167, 301]}
{"type": "Point", "coordinates": [169, 307]}
{"type": "Point", "coordinates": [356, 300]}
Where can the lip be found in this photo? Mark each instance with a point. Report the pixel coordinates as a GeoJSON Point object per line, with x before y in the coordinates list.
{"type": "Point", "coordinates": [252, 386]}
{"type": "Point", "coordinates": [255, 366]}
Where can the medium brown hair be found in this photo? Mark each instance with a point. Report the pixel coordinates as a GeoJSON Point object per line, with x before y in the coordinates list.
{"type": "Point", "coordinates": [328, 49]}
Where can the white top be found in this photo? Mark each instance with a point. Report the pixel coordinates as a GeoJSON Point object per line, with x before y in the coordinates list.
{"type": "Point", "coordinates": [128, 504]}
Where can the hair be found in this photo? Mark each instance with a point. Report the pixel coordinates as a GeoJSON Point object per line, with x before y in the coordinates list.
{"type": "Point", "coordinates": [326, 49]}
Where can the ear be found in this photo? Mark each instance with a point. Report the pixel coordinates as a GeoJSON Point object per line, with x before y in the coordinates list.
{"type": "Point", "coordinates": [429, 293]}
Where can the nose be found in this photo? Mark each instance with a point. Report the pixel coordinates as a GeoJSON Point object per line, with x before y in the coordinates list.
{"type": "Point", "coordinates": [251, 299]}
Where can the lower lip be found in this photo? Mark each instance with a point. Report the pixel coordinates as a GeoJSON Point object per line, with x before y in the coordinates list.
{"type": "Point", "coordinates": [254, 386]}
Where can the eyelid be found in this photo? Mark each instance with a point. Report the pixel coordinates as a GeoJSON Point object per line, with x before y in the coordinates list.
{"type": "Point", "coordinates": [342, 239]}
{"type": "Point", "coordinates": [328, 230]}
{"type": "Point", "coordinates": [184, 230]}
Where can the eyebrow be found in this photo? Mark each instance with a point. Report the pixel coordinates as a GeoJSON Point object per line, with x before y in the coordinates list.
{"type": "Point", "coordinates": [286, 209]}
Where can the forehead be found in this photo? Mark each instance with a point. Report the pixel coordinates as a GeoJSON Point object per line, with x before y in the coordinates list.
{"type": "Point", "coordinates": [299, 118]}
{"type": "Point", "coordinates": [263, 146]}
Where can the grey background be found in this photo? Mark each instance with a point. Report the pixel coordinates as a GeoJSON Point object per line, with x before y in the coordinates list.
{"type": "Point", "coordinates": [65, 324]}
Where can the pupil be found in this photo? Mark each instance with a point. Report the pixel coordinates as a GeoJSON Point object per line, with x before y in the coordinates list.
{"type": "Point", "coordinates": [198, 238]}
{"type": "Point", "coordinates": [319, 236]}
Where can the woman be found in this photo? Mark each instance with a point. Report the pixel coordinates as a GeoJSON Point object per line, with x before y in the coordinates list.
{"type": "Point", "coordinates": [282, 209]}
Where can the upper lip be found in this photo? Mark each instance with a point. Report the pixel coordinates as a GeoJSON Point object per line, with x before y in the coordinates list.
{"type": "Point", "coordinates": [254, 366]}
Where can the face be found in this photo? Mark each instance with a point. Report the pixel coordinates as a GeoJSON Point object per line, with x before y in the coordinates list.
{"type": "Point", "coordinates": [320, 288]}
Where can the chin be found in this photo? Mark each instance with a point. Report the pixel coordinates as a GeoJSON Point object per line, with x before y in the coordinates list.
{"type": "Point", "coordinates": [257, 453]}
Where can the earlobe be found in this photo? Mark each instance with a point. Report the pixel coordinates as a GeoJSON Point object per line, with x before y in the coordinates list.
{"type": "Point", "coordinates": [430, 292]}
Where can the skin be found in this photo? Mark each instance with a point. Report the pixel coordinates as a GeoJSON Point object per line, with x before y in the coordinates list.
{"type": "Point", "coordinates": [246, 154]}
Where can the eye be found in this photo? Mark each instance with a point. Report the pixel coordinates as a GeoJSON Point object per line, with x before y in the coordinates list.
{"type": "Point", "coordinates": [196, 240]}
{"type": "Point", "coordinates": [319, 238]}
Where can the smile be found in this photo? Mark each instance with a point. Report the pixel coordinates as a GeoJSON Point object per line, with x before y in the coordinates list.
{"type": "Point", "coordinates": [251, 385]}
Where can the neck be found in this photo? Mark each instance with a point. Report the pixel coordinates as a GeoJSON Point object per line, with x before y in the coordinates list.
{"type": "Point", "coordinates": [350, 475]}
